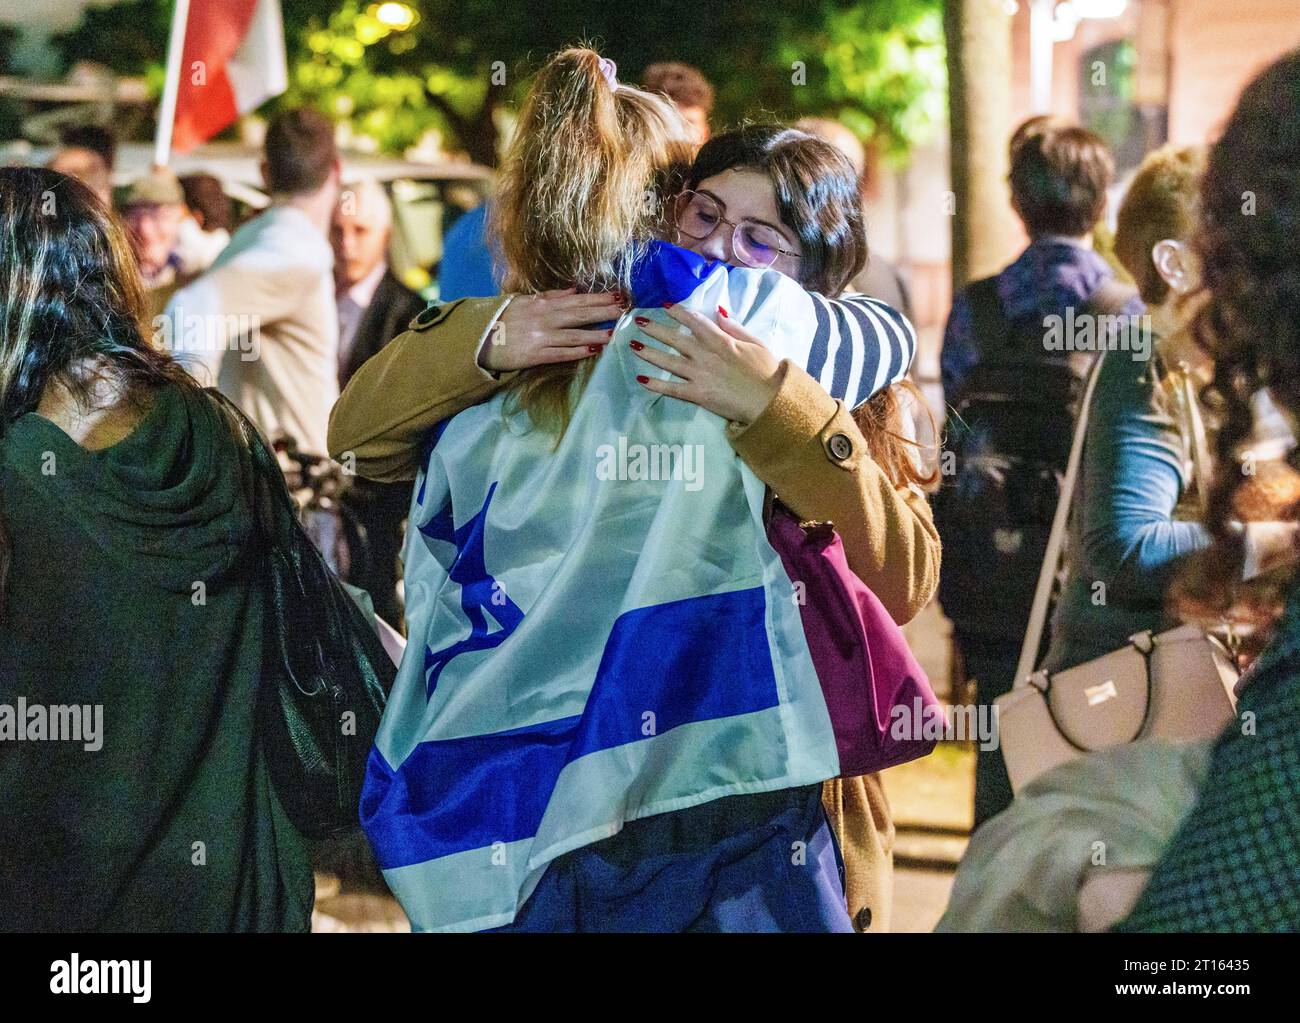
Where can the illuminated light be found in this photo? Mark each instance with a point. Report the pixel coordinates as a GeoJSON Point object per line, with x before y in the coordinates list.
{"type": "Point", "coordinates": [395, 16]}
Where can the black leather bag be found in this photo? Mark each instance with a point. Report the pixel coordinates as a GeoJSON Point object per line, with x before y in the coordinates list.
{"type": "Point", "coordinates": [326, 674]}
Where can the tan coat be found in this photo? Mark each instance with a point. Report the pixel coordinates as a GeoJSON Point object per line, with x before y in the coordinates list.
{"type": "Point", "coordinates": [805, 446]}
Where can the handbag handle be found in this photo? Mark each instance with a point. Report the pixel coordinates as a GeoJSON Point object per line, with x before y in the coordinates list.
{"type": "Point", "coordinates": [1144, 644]}
{"type": "Point", "coordinates": [1110, 296]}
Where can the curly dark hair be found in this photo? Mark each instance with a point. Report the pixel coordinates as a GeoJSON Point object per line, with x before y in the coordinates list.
{"type": "Point", "coordinates": [1249, 321]}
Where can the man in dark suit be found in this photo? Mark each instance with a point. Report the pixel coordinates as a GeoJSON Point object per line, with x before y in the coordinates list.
{"type": "Point", "coordinates": [374, 307]}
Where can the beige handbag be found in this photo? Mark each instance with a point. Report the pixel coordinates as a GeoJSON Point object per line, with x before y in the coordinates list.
{"type": "Point", "coordinates": [1175, 686]}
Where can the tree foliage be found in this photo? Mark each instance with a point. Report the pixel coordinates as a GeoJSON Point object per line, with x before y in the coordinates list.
{"type": "Point", "coordinates": [460, 67]}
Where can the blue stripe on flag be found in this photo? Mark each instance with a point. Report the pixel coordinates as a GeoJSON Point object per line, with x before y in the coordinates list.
{"type": "Point", "coordinates": [689, 660]}
{"type": "Point", "coordinates": [458, 794]}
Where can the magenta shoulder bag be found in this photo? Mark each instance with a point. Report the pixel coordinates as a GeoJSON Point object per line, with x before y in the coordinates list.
{"type": "Point", "coordinates": [863, 662]}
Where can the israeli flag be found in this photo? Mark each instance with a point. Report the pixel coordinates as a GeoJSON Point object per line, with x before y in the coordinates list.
{"type": "Point", "coordinates": [599, 629]}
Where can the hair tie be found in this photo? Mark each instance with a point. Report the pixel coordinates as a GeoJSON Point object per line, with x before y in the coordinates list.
{"type": "Point", "coordinates": [610, 70]}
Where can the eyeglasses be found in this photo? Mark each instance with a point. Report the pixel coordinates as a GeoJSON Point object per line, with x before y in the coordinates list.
{"type": "Point", "coordinates": [755, 244]}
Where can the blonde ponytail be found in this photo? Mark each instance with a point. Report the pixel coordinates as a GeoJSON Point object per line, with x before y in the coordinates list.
{"type": "Point", "coordinates": [583, 185]}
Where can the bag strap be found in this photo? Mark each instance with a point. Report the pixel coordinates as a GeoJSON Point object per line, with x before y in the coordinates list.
{"type": "Point", "coordinates": [1107, 300]}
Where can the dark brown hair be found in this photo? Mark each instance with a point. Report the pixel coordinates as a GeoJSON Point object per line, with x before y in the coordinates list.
{"type": "Point", "coordinates": [204, 195]}
{"type": "Point", "coordinates": [95, 138]}
{"type": "Point", "coordinates": [817, 196]}
{"type": "Point", "coordinates": [1059, 177]}
{"type": "Point", "coordinates": [1250, 273]}
{"type": "Point", "coordinates": [300, 152]}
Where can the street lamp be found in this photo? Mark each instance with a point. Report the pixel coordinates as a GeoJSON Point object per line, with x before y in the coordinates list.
{"type": "Point", "coordinates": [1050, 23]}
{"type": "Point", "coordinates": [394, 16]}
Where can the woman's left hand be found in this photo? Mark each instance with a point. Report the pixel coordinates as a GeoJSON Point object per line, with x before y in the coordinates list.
{"type": "Point", "coordinates": [719, 366]}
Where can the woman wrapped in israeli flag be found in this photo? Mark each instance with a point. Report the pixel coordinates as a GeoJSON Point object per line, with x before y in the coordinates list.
{"type": "Point", "coordinates": [608, 718]}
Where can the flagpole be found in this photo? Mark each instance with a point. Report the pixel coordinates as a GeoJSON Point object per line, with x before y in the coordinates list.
{"type": "Point", "coordinates": [171, 85]}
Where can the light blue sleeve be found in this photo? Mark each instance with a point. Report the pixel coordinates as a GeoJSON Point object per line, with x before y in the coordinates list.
{"type": "Point", "coordinates": [1132, 481]}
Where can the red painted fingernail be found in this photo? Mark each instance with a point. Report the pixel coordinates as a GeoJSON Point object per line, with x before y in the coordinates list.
{"type": "Point", "coordinates": [669, 305]}
{"type": "Point", "coordinates": [636, 345]}
{"type": "Point", "coordinates": [594, 349]}
{"type": "Point", "coordinates": [642, 380]}
{"type": "Point", "coordinates": [723, 312]}
{"type": "Point", "coordinates": [609, 331]}
{"type": "Point", "coordinates": [640, 321]}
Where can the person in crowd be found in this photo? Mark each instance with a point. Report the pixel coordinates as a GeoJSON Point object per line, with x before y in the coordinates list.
{"type": "Point", "coordinates": [373, 308]}
{"type": "Point", "coordinates": [1133, 523]}
{"type": "Point", "coordinates": [373, 305]}
{"type": "Point", "coordinates": [880, 278]}
{"type": "Point", "coordinates": [1130, 533]}
{"type": "Point", "coordinates": [467, 268]}
{"type": "Point", "coordinates": [690, 91]}
{"type": "Point", "coordinates": [1231, 865]}
{"type": "Point", "coordinates": [993, 550]}
{"type": "Point", "coordinates": [129, 592]}
{"type": "Point", "coordinates": [758, 175]}
{"type": "Point", "coordinates": [153, 210]}
{"type": "Point", "coordinates": [209, 220]}
{"type": "Point", "coordinates": [88, 152]}
{"type": "Point", "coordinates": [262, 321]}
{"type": "Point", "coordinates": [1141, 470]}
{"type": "Point", "coordinates": [777, 152]}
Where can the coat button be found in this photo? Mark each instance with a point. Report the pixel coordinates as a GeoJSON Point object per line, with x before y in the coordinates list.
{"type": "Point", "coordinates": [862, 918]}
{"type": "Point", "coordinates": [841, 447]}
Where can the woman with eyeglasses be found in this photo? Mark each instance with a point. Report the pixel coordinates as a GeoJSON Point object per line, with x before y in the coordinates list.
{"type": "Point", "coordinates": [453, 357]}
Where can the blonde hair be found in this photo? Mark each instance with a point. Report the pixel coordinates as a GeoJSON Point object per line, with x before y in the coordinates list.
{"type": "Point", "coordinates": [1160, 203]}
{"type": "Point", "coordinates": [582, 186]}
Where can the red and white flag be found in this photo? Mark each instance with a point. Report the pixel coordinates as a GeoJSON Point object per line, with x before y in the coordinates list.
{"type": "Point", "coordinates": [231, 60]}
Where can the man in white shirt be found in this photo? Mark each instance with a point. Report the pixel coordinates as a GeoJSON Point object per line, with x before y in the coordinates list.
{"type": "Point", "coordinates": [261, 323]}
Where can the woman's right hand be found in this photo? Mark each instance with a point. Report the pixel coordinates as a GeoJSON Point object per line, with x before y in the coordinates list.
{"type": "Point", "coordinates": [536, 330]}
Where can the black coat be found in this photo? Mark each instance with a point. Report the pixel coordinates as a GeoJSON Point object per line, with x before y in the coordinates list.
{"type": "Point", "coordinates": [394, 306]}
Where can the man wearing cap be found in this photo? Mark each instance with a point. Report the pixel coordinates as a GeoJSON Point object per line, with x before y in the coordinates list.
{"type": "Point", "coordinates": [153, 210]}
